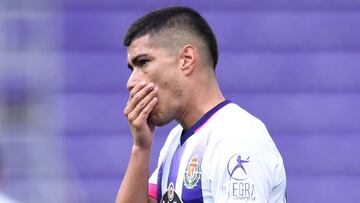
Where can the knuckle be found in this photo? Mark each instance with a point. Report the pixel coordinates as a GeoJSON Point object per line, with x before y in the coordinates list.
{"type": "Point", "coordinates": [131, 119]}
{"type": "Point", "coordinates": [136, 124]}
{"type": "Point", "coordinates": [137, 97]}
{"type": "Point", "coordinates": [145, 112]}
{"type": "Point", "coordinates": [142, 104]}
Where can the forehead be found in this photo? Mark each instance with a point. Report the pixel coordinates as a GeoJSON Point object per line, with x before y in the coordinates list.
{"type": "Point", "coordinates": [139, 46]}
{"type": "Point", "coordinates": [159, 44]}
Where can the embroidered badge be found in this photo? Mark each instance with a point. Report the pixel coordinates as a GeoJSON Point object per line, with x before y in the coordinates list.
{"type": "Point", "coordinates": [192, 173]}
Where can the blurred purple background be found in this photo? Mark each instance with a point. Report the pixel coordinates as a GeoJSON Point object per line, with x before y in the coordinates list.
{"type": "Point", "coordinates": [63, 137]}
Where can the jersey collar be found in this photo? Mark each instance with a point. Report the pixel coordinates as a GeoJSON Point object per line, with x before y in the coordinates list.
{"type": "Point", "coordinates": [187, 133]}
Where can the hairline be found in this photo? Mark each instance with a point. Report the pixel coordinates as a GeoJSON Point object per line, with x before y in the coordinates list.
{"type": "Point", "coordinates": [166, 34]}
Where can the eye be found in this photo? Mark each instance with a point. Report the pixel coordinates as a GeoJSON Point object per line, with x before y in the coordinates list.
{"type": "Point", "coordinates": [143, 62]}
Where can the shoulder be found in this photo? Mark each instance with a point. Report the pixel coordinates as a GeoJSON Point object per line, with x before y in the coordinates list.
{"type": "Point", "coordinates": [234, 123]}
{"type": "Point", "coordinates": [232, 115]}
{"type": "Point", "coordinates": [235, 133]}
{"type": "Point", "coordinates": [241, 151]}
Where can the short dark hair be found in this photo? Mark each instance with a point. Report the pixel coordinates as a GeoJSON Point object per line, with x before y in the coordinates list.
{"type": "Point", "coordinates": [183, 18]}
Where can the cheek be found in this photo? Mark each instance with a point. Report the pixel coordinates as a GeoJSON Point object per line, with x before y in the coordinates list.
{"type": "Point", "coordinates": [168, 83]}
{"type": "Point", "coordinates": [164, 84]}
{"type": "Point", "coordinates": [170, 93]}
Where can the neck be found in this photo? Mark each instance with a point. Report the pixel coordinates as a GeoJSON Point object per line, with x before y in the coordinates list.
{"type": "Point", "coordinates": [200, 101]}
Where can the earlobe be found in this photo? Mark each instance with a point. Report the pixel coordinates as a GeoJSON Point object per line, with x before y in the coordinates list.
{"type": "Point", "coordinates": [188, 59]}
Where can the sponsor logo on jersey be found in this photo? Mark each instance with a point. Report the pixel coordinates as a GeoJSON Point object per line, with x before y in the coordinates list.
{"type": "Point", "coordinates": [239, 187]}
{"type": "Point", "coordinates": [235, 167]}
{"type": "Point", "coordinates": [192, 173]}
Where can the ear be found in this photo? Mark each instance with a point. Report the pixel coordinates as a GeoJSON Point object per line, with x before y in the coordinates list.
{"type": "Point", "coordinates": [188, 58]}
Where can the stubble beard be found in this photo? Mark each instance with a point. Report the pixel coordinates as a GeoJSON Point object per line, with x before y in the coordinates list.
{"type": "Point", "coordinates": [160, 117]}
{"type": "Point", "coordinates": [158, 120]}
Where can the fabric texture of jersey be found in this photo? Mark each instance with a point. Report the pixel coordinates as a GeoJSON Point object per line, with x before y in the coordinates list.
{"type": "Point", "coordinates": [227, 156]}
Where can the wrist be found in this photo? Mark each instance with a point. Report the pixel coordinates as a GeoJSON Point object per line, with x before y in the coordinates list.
{"type": "Point", "coordinates": [137, 148]}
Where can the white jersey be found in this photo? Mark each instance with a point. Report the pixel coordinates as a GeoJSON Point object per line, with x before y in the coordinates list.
{"type": "Point", "coordinates": [227, 156]}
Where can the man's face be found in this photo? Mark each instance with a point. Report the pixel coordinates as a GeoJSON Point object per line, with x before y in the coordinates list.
{"type": "Point", "coordinates": [158, 65]}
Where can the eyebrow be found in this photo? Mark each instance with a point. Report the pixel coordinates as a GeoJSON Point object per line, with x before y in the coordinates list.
{"type": "Point", "coordinates": [135, 60]}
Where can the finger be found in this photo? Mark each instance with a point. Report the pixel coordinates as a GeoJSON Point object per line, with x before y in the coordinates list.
{"type": "Point", "coordinates": [144, 114]}
{"type": "Point", "coordinates": [138, 97]}
{"type": "Point", "coordinates": [142, 105]}
{"type": "Point", "coordinates": [139, 86]}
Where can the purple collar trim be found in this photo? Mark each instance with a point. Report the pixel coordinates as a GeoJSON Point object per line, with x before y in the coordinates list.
{"type": "Point", "coordinates": [187, 133]}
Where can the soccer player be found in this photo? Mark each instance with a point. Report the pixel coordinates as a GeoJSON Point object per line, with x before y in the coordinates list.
{"type": "Point", "coordinates": [218, 152]}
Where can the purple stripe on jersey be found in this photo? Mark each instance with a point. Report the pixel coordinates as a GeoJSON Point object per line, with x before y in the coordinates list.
{"type": "Point", "coordinates": [169, 153]}
{"type": "Point", "coordinates": [202, 120]}
{"type": "Point", "coordinates": [175, 163]}
{"type": "Point", "coordinates": [159, 180]}
{"type": "Point", "coordinates": [192, 184]}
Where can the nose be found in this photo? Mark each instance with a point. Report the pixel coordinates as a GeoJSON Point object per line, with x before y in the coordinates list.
{"type": "Point", "coordinates": [132, 81]}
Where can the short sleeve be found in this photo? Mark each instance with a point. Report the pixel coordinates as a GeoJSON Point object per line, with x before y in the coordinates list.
{"type": "Point", "coordinates": [246, 172]}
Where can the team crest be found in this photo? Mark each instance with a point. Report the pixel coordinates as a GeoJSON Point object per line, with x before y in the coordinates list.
{"type": "Point", "coordinates": [192, 173]}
